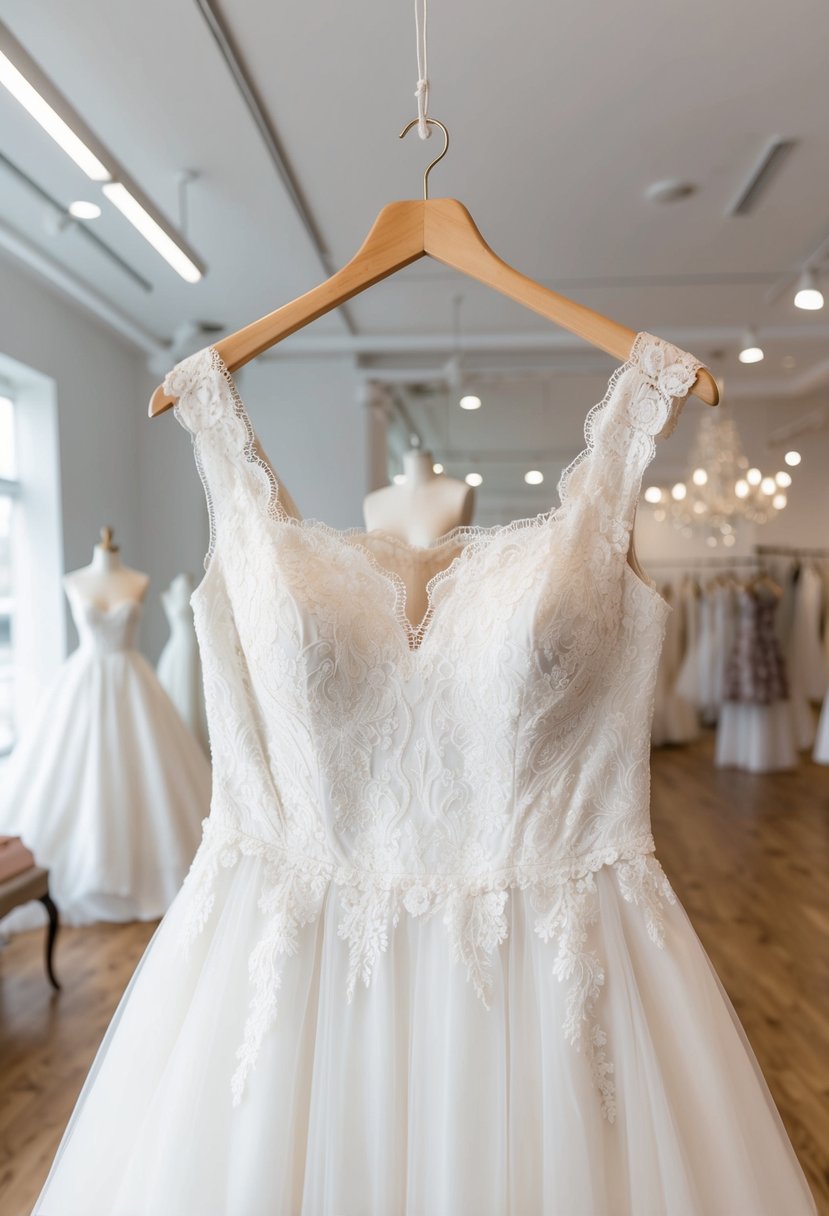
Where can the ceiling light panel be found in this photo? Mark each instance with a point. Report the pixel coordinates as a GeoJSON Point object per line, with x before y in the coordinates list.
{"type": "Point", "coordinates": [25, 81]}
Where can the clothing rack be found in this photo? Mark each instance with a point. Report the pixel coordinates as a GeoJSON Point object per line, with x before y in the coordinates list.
{"type": "Point", "coordinates": [788, 551]}
{"type": "Point", "coordinates": [697, 563]}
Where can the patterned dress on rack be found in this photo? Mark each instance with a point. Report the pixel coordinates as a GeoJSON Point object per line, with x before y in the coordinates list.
{"type": "Point", "coordinates": [756, 728]}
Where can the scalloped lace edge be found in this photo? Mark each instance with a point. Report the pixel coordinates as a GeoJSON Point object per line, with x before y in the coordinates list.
{"type": "Point", "coordinates": [473, 538]}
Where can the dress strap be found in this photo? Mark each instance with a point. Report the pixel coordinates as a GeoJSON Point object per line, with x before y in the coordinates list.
{"type": "Point", "coordinates": [231, 466]}
{"type": "Point", "coordinates": [642, 404]}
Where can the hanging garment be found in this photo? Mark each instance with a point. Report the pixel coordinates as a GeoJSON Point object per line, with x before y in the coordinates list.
{"type": "Point", "coordinates": [674, 719]}
{"type": "Point", "coordinates": [688, 680]}
{"type": "Point", "coordinates": [755, 728]}
{"type": "Point", "coordinates": [712, 650]}
{"type": "Point", "coordinates": [807, 656]}
{"type": "Point", "coordinates": [820, 755]}
{"type": "Point", "coordinates": [425, 961]}
{"type": "Point", "coordinates": [179, 667]}
{"type": "Point", "coordinates": [107, 787]}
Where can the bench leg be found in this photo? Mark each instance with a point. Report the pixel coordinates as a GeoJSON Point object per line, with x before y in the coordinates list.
{"type": "Point", "coordinates": [51, 934]}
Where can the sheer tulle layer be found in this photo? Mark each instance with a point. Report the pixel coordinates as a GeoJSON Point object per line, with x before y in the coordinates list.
{"type": "Point", "coordinates": [414, 1098]}
{"type": "Point", "coordinates": [108, 789]}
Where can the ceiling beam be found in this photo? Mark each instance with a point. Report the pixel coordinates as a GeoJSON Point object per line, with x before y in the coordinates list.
{"type": "Point", "coordinates": [249, 93]}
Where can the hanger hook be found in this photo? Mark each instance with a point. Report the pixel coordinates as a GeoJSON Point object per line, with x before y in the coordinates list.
{"type": "Point", "coordinates": [430, 167]}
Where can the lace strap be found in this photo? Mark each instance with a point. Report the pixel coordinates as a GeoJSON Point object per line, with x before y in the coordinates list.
{"type": "Point", "coordinates": [226, 450]}
{"type": "Point", "coordinates": [642, 404]}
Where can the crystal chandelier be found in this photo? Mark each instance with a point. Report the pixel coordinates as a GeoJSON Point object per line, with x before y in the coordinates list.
{"type": "Point", "coordinates": [722, 488]}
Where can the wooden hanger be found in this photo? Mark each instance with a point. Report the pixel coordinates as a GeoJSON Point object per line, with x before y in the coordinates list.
{"type": "Point", "coordinates": [442, 229]}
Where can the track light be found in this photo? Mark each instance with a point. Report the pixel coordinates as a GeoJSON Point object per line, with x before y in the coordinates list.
{"type": "Point", "coordinates": [808, 294]}
{"type": "Point", "coordinates": [51, 121]}
{"type": "Point", "coordinates": [751, 350]}
{"type": "Point", "coordinates": [152, 232]}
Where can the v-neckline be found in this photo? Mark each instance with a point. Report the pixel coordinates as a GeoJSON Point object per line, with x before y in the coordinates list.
{"type": "Point", "coordinates": [416, 636]}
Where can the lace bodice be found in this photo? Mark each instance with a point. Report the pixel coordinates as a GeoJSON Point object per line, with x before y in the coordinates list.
{"type": "Point", "coordinates": [105, 631]}
{"type": "Point", "coordinates": [431, 767]}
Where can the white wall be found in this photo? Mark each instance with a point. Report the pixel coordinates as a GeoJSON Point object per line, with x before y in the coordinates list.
{"type": "Point", "coordinates": [94, 373]}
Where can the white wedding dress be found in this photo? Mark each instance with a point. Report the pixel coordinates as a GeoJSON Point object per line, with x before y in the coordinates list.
{"type": "Point", "coordinates": [425, 961]}
{"type": "Point", "coordinates": [179, 665]}
{"type": "Point", "coordinates": [107, 787]}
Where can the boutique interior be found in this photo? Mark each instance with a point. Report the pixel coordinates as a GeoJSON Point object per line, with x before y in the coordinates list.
{"type": "Point", "coordinates": [169, 174]}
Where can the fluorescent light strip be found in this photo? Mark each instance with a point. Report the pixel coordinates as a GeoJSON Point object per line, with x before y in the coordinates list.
{"type": "Point", "coordinates": [152, 232]}
{"type": "Point", "coordinates": [52, 123]}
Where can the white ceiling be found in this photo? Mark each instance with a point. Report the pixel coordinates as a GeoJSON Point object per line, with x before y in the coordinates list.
{"type": "Point", "coordinates": [560, 117]}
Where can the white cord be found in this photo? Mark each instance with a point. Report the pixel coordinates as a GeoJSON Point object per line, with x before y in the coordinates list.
{"type": "Point", "coordinates": [422, 90]}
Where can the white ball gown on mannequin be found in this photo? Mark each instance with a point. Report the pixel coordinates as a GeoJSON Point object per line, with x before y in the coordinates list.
{"type": "Point", "coordinates": [108, 787]}
{"type": "Point", "coordinates": [179, 667]}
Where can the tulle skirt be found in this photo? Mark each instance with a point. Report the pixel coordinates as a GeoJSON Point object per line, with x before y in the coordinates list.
{"type": "Point", "coordinates": [108, 789]}
{"type": "Point", "coordinates": [415, 1099]}
{"type": "Point", "coordinates": [757, 738]}
{"type": "Point", "coordinates": [821, 752]}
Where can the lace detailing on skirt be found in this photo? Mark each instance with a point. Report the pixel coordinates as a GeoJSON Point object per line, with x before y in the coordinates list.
{"type": "Point", "coordinates": [473, 909]}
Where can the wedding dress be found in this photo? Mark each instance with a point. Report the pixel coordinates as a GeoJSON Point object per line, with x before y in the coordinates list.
{"type": "Point", "coordinates": [179, 665]}
{"type": "Point", "coordinates": [425, 961]}
{"type": "Point", "coordinates": [107, 787]}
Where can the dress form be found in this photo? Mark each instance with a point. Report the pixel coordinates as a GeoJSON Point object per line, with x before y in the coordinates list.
{"type": "Point", "coordinates": [424, 508]}
{"type": "Point", "coordinates": [179, 666]}
{"type": "Point", "coordinates": [427, 507]}
{"type": "Point", "coordinates": [106, 581]}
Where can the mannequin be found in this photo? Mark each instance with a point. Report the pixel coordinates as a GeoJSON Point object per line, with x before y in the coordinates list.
{"type": "Point", "coordinates": [108, 787]}
{"type": "Point", "coordinates": [408, 527]}
{"type": "Point", "coordinates": [106, 581]}
{"type": "Point", "coordinates": [179, 667]}
{"type": "Point", "coordinates": [425, 508]}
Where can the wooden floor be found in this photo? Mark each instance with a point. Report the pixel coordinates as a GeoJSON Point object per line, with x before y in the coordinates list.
{"type": "Point", "coordinates": [748, 856]}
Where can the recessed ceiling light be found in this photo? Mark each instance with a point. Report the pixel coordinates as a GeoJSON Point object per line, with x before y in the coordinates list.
{"type": "Point", "coordinates": [437, 468]}
{"type": "Point", "coordinates": [83, 210]}
{"type": "Point", "coordinates": [473, 479]}
{"type": "Point", "coordinates": [669, 191]}
{"type": "Point", "coordinates": [534, 477]}
{"type": "Point", "coordinates": [470, 402]}
{"type": "Point", "coordinates": [152, 232]}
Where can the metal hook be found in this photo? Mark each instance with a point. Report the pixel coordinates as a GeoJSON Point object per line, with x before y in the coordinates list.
{"type": "Point", "coordinates": [430, 167]}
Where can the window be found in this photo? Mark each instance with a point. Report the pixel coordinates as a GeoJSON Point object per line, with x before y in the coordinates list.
{"type": "Point", "coordinates": [9, 491]}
